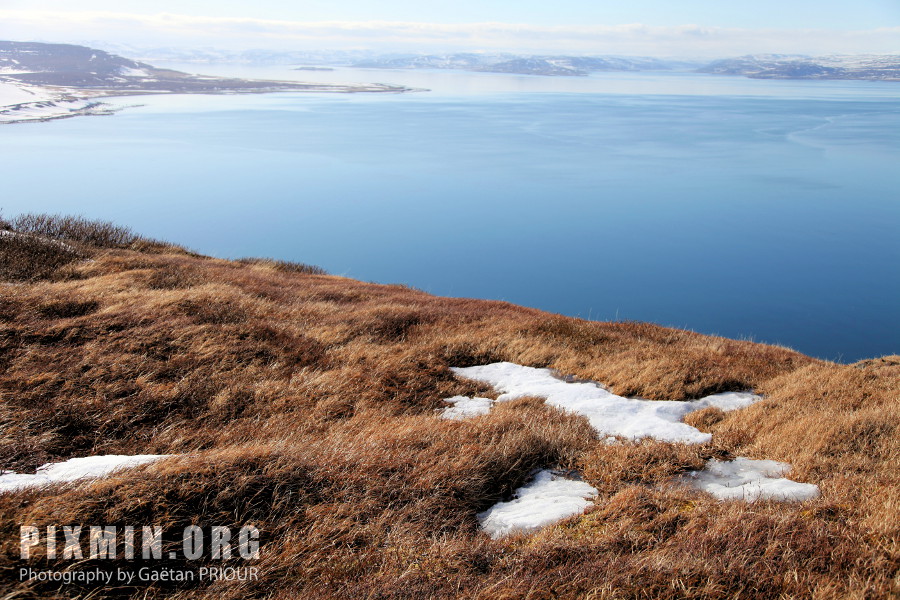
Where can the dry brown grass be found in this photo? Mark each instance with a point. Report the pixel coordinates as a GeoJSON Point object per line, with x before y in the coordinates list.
{"type": "Point", "coordinates": [305, 404]}
{"type": "Point", "coordinates": [285, 266]}
{"type": "Point", "coordinates": [27, 258]}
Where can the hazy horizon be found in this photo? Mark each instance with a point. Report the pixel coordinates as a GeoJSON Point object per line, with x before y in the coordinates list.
{"type": "Point", "coordinates": [696, 29]}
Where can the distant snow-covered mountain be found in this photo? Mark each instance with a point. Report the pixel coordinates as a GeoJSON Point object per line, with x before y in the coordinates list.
{"type": "Point", "coordinates": [782, 66]}
{"type": "Point", "coordinates": [464, 61]}
{"type": "Point", "coordinates": [256, 57]}
{"type": "Point", "coordinates": [525, 65]}
{"type": "Point", "coordinates": [757, 66]}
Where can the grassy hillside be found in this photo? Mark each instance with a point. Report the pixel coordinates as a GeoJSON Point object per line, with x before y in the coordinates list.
{"type": "Point", "coordinates": [306, 404]}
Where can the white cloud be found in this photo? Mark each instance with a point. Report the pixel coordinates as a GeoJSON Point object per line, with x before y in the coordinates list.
{"type": "Point", "coordinates": [633, 39]}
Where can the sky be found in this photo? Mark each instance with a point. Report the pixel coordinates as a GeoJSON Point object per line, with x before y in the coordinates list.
{"type": "Point", "coordinates": [685, 28]}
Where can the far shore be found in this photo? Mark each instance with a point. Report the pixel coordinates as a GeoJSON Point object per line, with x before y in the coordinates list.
{"type": "Point", "coordinates": [48, 103]}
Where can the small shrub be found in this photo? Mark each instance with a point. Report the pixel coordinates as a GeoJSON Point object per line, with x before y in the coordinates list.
{"type": "Point", "coordinates": [151, 246]}
{"type": "Point", "coordinates": [27, 258]}
{"type": "Point", "coordinates": [285, 266]}
{"type": "Point", "coordinates": [102, 234]}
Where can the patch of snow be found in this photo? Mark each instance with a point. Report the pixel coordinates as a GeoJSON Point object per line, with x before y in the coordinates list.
{"type": "Point", "coordinates": [73, 470]}
{"type": "Point", "coordinates": [551, 497]}
{"type": "Point", "coordinates": [50, 109]}
{"type": "Point", "coordinates": [129, 72]}
{"type": "Point", "coordinates": [464, 407]}
{"type": "Point", "coordinates": [750, 480]}
{"type": "Point", "coordinates": [726, 401]}
{"type": "Point", "coordinates": [609, 414]}
{"type": "Point", "coordinates": [548, 498]}
{"type": "Point", "coordinates": [13, 93]}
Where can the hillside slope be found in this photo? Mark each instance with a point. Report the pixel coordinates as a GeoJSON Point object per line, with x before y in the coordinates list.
{"type": "Point", "coordinates": [42, 82]}
{"type": "Point", "coordinates": [83, 68]}
{"type": "Point", "coordinates": [306, 404]}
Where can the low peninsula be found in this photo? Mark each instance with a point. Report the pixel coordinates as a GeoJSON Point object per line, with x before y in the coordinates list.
{"type": "Point", "coordinates": [40, 82]}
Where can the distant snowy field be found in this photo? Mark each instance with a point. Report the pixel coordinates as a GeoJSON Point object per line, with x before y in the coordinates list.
{"type": "Point", "coordinates": [20, 102]}
{"type": "Point", "coordinates": [11, 93]}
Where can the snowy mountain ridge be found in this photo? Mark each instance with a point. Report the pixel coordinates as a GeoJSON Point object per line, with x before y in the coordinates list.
{"type": "Point", "coordinates": [837, 66]}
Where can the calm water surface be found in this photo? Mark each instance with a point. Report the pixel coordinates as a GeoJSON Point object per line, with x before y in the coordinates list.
{"type": "Point", "coordinates": [763, 210]}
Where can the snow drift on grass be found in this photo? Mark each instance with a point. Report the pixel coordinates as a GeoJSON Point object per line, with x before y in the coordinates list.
{"type": "Point", "coordinates": [608, 413]}
{"type": "Point", "coordinates": [550, 497]}
{"type": "Point", "coordinates": [73, 470]}
{"type": "Point", "coordinates": [464, 407]}
{"type": "Point", "coordinates": [750, 480]}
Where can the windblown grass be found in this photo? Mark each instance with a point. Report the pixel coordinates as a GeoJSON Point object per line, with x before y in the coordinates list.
{"type": "Point", "coordinates": [305, 404]}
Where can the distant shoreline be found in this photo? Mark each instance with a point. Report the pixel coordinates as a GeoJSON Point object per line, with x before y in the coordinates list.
{"type": "Point", "coordinates": [52, 103]}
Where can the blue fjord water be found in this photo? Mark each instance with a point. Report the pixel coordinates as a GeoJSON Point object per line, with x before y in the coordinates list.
{"type": "Point", "coordinates": [750, 209]}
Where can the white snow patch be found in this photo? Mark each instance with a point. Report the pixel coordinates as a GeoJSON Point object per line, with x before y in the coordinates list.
{"type": "Point", "coordinates": [550, 497]}
{"type": "Point", "coordinates": [49, 109]}
{"type": "Point", "coordinates": [20, 102]}
{"type": "Point", "coordinates": [609, 414]}
{"type": "Point", "coordinates": [464, 407]}
{"type": "Point", "coordinates": [73, 470]}
{"type": "Point", "coordinates": [16, 93]}
{"type": "Point", "coordinates": [750, 480]}
{"type": "Point", "coordinates": [129, 72]}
